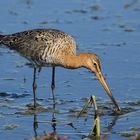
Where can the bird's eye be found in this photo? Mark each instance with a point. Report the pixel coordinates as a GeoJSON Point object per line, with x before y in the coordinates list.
{"type": "Point", "coordinates": [94, 64]}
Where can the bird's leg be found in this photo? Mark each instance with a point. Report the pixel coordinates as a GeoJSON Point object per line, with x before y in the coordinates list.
{"type": "Point", "coordinates": [53, 87]}
{"type": "Point", "coordinates": [34, 87]}
{"type": "Point", "coordinates": [53, 81]}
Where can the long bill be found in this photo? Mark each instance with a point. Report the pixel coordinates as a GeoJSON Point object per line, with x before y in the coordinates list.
{"type": "Point", "coordinates": [101, 79]}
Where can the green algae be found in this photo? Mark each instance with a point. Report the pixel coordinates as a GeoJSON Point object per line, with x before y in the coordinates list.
{"type": "Point", "coordinates": [10, 127]}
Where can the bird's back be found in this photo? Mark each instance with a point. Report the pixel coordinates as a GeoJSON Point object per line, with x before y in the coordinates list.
{"type": "Point", "coordinates": [41, 46]}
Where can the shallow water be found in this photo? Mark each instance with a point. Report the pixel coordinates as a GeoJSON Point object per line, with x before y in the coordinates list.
{"type": "Point", "coordinates": [109, 28]}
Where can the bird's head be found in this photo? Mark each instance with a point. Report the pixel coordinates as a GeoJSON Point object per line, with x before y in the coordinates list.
{"type": "Point", "coordinates": [93, 63]}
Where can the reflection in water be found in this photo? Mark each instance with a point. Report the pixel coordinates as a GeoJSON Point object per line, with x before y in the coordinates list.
{"type": "Point", "coordinates": [53, 122]}
{"type": "Point", "coordinates": [52, 135]}
{"type": "Point", "coordinates": [105, 135]}
{"type": "Point", "coordinates": [35, 124]}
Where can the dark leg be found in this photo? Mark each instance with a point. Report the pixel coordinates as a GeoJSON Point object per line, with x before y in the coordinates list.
{"type": "Point", "coordinates": [53, 87]}
{"type": "Point", "coordinates": [54, 117]}
{"type": "Point", "coordinates": [53, 81]}
{"type": "Point", "coordinates": [34, 87]}
{"type": "Point", "coordinates": [35, 125]}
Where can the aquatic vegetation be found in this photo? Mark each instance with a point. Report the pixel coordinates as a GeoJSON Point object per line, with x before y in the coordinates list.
{"type": "Point", "coordinates": [8, 78]}
{"type": "Point", "coordinates": [112, 30]}
{"type": "Point", "coordinates": [128, 134]}
{"type": "Point", "coordinates": [41, 109]}
{"type": "Point", "coordinates": [95, 131]}
{"type": "Point", "coordinates": [135, 128]}
{"type": "Point", "coordinates": [13, 95]}
{"type": "Point", "coordinates": [133, 132]}
{"type": "Point", "coordinates": [10, 127]}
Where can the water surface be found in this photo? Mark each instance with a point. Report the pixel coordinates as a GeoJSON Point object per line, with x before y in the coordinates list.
{"type": "Point", "coordinates": [109, 28]}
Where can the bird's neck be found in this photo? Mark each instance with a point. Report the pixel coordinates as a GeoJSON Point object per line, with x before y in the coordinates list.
{"type": "Point", "coordinates": [75, 61]}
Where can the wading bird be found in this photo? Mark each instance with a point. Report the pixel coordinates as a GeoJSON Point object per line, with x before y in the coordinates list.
{"type": "Point", "coordinates": [53, 47]}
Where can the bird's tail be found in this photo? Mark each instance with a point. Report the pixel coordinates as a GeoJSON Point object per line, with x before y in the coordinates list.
{"type": "Point", "coordinates": [1, 36]}
{"type": "Point", "coordinates": [1, 39]}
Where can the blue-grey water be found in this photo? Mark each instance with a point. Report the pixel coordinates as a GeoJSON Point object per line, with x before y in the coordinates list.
{"type": "Point", "coordinates": [109, 28]}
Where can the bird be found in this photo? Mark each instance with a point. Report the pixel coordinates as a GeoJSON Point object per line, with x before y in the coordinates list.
{"type": "Point", "coordinates": [53, 47]}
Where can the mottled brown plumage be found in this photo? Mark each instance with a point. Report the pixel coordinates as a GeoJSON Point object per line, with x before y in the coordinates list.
{"type": "Point", "coordinates": [41, 46]}
{"type": "Point", "coordinates": [56, 48]}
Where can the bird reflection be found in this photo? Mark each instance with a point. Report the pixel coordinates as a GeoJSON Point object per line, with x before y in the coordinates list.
{"type": "Point", "coordinates": [35, 125]}
{"type": "Point", "coordinates": [53, 122]}
{"type": "Point", "coordinates": [106, 133]}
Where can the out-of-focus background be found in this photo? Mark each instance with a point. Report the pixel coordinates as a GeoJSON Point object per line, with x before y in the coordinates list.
{"type": "Point", "coordinates": [109, 28]}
